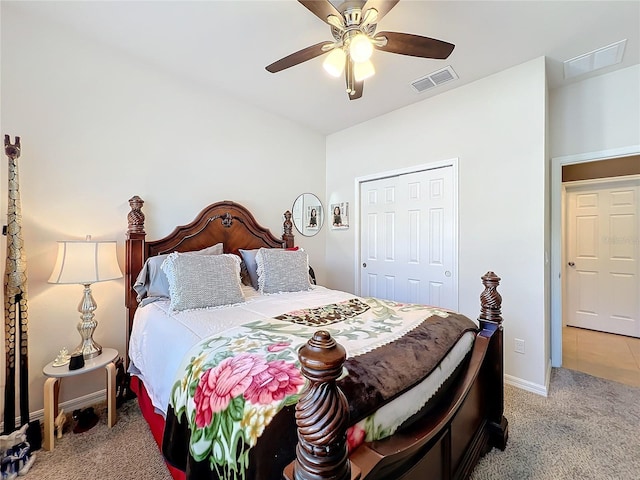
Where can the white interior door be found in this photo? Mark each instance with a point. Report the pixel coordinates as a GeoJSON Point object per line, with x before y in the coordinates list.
{"type": "Point", "coordinates": [407, 238]}
{"type": "Point", "coordinates": [602, 257]}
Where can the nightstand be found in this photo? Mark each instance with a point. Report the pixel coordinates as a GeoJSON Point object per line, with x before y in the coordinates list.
{"type": "Point", "coordinates": [52, 389]}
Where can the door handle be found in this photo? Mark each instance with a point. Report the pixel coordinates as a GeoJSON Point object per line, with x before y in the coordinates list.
{"type": "Point", "coordinates": [364, 265]}
{"type": "Point", "coordinates": [571, 264]}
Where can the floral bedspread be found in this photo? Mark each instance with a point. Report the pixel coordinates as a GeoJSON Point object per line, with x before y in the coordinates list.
{"type": "Point", "coordinates": [231, 408]}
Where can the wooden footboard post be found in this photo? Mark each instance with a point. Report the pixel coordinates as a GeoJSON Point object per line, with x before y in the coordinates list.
{"type": "Point", "coordinates": [322, 414]}
{"type": "Point", "coordinates": [135, 257]}
{"type": "Point", "coordinates": [491, 322]}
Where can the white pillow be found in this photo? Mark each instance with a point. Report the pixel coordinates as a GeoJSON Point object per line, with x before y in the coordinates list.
{"type": "Point", "coordinates": [282, 270]}
{"type": "Point", "coordinates": [202, 281]}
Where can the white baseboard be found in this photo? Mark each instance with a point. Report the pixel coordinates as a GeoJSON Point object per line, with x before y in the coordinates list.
{"type": "Point", "coordinates": [70, 405]}
{"type": "Point", "coordinates": [528, 386]}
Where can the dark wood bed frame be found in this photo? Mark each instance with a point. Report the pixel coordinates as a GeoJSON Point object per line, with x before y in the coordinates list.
{"type": "Point", "coordinates": [445, 444]}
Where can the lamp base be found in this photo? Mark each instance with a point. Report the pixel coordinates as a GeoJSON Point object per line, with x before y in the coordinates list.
{"type": "Point", "coordinates": [87, 325]}
{"type": "Point", "coordinates": [88, 348]}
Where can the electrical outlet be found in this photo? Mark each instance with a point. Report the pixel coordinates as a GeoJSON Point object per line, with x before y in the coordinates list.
{"type": "Point", "coordinates": [518, 345]}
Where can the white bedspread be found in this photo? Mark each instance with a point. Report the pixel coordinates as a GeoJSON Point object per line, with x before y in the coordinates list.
{"type": "Point", "coordinates": [161, 338]}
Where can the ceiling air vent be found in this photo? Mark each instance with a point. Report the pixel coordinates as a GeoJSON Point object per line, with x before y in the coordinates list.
{"type": "Point", "coordinates": [434, 79]}
{"type": "Point", "coordinates": [600, 58]}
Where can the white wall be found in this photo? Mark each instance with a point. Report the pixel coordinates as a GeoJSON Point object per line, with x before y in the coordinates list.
{"type": "Point", "coordinates": [597, 114]}
{"type": "Point", "coordinates": [496, 128]}
{"type": "Point", "coordinates": [98, 127]}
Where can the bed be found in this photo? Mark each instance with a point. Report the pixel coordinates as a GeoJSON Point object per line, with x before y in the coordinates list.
{"type": "Point", "coordinates": [308, 384]}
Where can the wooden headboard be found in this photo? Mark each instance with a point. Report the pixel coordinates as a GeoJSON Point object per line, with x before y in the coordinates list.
{"type": "Point", "coordinates": [223, 222]}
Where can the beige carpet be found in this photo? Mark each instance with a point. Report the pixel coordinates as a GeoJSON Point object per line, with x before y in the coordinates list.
{"type": "Point", "coordinates": [588, 428]}
{"type": "Point", "coordinates": [125, 452]}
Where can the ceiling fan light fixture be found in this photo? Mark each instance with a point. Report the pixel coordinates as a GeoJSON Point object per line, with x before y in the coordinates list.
{"type": "Point", "coordinates": [360, 48]}
{"type": "Point", "coordinates": [334, 63]}
{"type": "Point", "coordinates": [363, 70]}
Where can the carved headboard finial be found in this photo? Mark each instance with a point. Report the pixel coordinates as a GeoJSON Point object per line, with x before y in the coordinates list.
{"type": "Point", "coordinates": [227, 220]}
{"type": "Point", "coordinates": [135, 218]}
{"type": "Point", "coordinates": [490, 299]}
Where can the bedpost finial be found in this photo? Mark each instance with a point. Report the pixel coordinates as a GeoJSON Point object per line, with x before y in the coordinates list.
{"type": "Point", "coordinates": [287, 228]}
{"type": "Point", "coordinates": [490, 299]}
{"type": "Point", "coordinates": [288, 224]}
{"type": "Point", "coordinates": [135, 218]}
{"type": "Point", "coordinates": [321, 358]}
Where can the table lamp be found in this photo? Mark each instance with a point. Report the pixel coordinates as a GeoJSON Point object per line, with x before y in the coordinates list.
{"type": "Point", "coordinates": [84, 263]}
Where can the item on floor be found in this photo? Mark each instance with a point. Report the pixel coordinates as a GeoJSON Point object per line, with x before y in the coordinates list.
{"type": "Point", "coordinates": [62, 358]}
{"type": "Point", "coordinates": [85, 420]}
{"type": "Point", "coordinates": [76, 361]}
{"type": "Point", "coordinates": [14, 438]}
{"type": "Point", "coordinates": [123, 389]}
{"type": "Point", "coordinates": [59, 422]}
{"type": "Point", "coordinates": [16, 454]}
{"type": "Point", "coordinates": [34, 435]}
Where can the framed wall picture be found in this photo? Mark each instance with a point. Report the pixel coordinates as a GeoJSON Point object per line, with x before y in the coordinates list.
{"type": "Point", "coordinates": [312, 218]}
{"type": "Point", "coordinates": [339, 216]}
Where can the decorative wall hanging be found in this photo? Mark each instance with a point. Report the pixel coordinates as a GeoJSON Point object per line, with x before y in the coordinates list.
{"type": "Point", "coordinates": [15, 306]}
{"type": "Point", "coordinates": [340, 216]}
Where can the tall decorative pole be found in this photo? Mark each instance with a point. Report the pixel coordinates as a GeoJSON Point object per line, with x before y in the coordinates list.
{"type": "Point", "coordinates": [15, 297]}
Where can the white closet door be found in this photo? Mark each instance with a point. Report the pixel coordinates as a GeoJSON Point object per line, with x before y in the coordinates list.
{"type": "Point", "coordinates": [407, 238]}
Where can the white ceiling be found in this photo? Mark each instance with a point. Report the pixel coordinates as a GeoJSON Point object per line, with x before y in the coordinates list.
{"type": "Point", "coordinates": [225, 45]}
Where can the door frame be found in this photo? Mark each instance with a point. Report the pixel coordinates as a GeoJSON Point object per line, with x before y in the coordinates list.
{"type": "Point", "coordinates": [557, 237]}
{"type": "Point", "coordinates": [453, 163]}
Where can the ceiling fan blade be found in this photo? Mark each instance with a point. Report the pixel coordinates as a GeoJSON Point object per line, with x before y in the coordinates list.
{"type": "Point", "coordinates": [382, 6]}
{"type": "Point", "coordinates": [321, 8]}
{"type": "Point", "coordinates": [415, 45]}
{"type": "Point", "coordinates": [298, 57]}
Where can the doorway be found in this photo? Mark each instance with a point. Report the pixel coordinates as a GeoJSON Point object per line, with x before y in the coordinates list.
{"type": "Point", "coordinates": [408, 236]}
{"type": "Point", "coordinates": [558, 261]}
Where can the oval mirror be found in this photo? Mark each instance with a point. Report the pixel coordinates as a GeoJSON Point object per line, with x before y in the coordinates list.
{"type": "Point", "coordinates": [307, 214]}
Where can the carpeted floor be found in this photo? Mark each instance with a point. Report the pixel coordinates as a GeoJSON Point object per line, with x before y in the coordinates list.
{"type": "Point", "coordinates": [125, 452]}
{"type": "Point", "coordinates": [588, 428]}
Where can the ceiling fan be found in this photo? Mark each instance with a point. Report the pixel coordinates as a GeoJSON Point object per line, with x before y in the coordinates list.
{"type": "Point", "coordinates": [353, 27]}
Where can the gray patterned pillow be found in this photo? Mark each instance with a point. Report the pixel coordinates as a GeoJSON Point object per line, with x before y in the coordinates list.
{"type": "Point", "coordinates": [152, 283]}
{"type": "Point", "coordinates": [201, 281]}
{"type": "Point", "coordinates": [282, 270]}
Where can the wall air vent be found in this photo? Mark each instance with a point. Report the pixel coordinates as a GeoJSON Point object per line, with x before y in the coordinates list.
{"type": "Point", "coordinates": [434, 79]}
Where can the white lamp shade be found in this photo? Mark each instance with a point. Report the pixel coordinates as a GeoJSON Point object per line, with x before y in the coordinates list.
{"type": "Point", "coordinates": [334, 63]}
{"type": "Point", "coordinates": [363, 70]}
{"type": "Point", "coordinates": [360, 48]}
{"type": "Point", "coordinates": [85, 262]}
